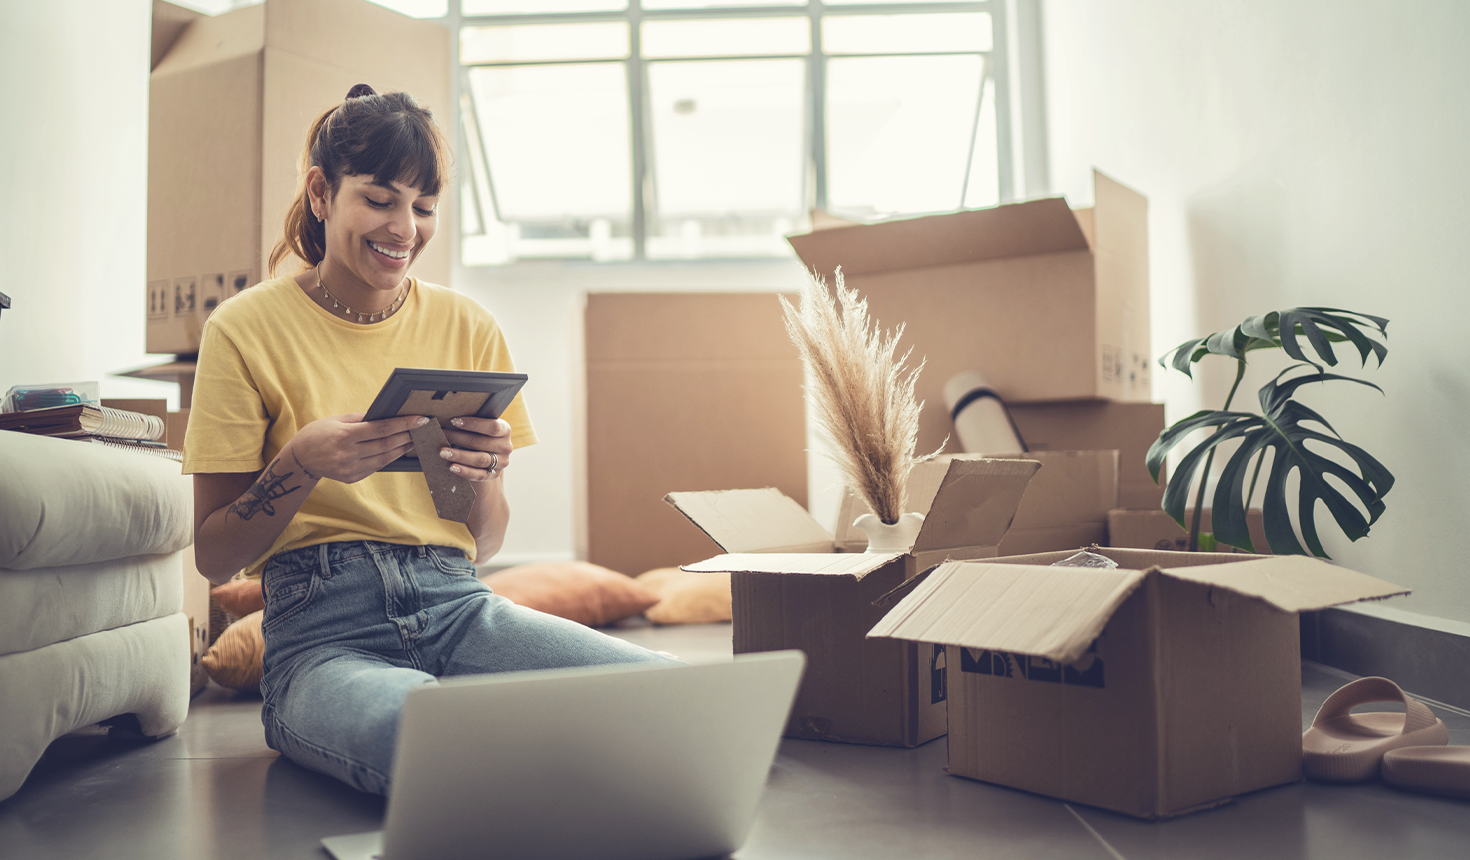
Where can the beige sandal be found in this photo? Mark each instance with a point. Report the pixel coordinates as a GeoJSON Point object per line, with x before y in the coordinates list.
{"type": "Point", "coordinates": [1345, 747]}
{"type": "Point", "coordinates": [1436, 770]}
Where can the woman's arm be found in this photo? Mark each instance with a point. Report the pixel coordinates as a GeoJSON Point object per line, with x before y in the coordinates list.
{"type": "Point", "coordinates": [478, 444]}
{"type": "Point", "coordinates": [237, 516]}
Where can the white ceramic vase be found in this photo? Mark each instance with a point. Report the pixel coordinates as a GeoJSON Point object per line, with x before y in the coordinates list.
{"type": "Point", "coordinates": [890, 537]}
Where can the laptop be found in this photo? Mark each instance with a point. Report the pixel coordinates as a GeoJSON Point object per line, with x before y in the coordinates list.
{"type": "Point", "coordinates": [605, 762]}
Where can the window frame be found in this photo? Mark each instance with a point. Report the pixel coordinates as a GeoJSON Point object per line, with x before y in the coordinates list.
{"type": "Point", "coordinates": [995, 65]}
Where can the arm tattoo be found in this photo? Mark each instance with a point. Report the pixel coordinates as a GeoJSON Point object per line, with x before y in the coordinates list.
{"type": "Point", "coordinates": [303, 466]}
{"type": "Point", "coordinates": [262, 493]}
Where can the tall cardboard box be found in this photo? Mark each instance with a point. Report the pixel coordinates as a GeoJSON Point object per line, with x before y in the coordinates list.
{"type": "Point", "coordinates": [230, 103]}
{"type": "Point", "coordinates": [791, 588]}
{"type": "Point", "coordinates": [1166, 685]}
{"type": "Point", "coordinates": [1047, 302]}
{"type": "Point", "coordinates": [687, 391]}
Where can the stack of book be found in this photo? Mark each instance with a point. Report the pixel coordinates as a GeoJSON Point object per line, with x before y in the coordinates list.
{"type": "Point", "coordinates": [100, 425]}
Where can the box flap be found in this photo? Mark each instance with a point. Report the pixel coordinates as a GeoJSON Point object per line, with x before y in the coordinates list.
{"type": "Point", "coordinates": [974, 504]}
{"type": "Point", "coordinates": [853, 564]}
{"type": "Point", "coordinates": [1051, 612]}
{"type": "Point", "coordinates": [213, 39]}
{"type": "Point", "coordinates": [764, 520]}
{"type": "Point", "coordinates": [1014, 230]}
{"type": "Point", "coordinates": [1291, 583]}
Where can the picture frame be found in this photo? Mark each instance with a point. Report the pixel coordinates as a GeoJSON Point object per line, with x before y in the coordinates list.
{"type": "Point", "coordinates": [443, 394]}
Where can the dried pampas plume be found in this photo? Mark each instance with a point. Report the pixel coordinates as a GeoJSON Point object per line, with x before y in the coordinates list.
{"type": "Point", "coordinates": [859, 392]}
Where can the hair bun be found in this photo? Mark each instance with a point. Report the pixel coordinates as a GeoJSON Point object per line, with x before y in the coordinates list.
{"type": "Point", "coordinates": [360, 90]}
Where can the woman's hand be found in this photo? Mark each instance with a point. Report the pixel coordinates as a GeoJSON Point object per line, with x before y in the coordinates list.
{"type": "Point", "coordinates": [345, 448]}
{"type": "Point", "coordinates": [481, 447]}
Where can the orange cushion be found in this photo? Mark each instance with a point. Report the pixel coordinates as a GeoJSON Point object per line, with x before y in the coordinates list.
{"type": "Point", "coordinates": [582, 592]}
{"type": "Point", "coordinates": [239, 596]}
{"type": "Point", "coordinates": [234, 660]}
{"type": "Point", "coordinates": [687, 598]}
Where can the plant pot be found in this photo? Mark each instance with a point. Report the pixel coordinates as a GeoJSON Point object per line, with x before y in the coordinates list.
{"type": "Point", "coordinates": [890, 537]}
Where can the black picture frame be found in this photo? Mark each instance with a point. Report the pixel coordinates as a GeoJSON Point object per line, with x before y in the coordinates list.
{"type": "Point", "coordinates": [404, 381]}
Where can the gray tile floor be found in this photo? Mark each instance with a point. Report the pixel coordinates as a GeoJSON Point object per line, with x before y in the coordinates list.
{"type": "Point", "coordinates": [215, 790]}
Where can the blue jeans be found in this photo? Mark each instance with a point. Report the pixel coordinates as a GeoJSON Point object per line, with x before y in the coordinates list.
{"type": "Point", "coordinates": [350, 628]}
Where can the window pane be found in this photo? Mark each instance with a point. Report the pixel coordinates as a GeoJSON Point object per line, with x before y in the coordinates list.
{"type": "Point", "coordinates": [556, 139]}
{"type": "Point", "coordinates": [531, 7]}
{"type": "Point", "coordinates": [726, 38]}
{"type": "Point", "coordinates": [716, 4]}
{"type": "Point", "coordinates": [899, 132]}
{"type": "Point", "coordinates": [529, 43]}
{"type": "Point", "coordinates": [983, 187]}
{"type": "Point", "coordinates": [417, 8]}
{"type": "Point", "coordinates": [727, 157]}
{"type": "Point", "coordinates": [906, 34]}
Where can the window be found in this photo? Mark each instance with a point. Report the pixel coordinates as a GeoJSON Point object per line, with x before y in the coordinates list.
{"type": "Point", "coordinates": [709, 129]}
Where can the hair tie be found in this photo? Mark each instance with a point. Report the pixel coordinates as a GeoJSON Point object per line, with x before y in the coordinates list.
{"type": "Point", "coordinates": [360, 90]}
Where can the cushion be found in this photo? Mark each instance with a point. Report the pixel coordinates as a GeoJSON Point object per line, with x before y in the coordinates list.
{"type": "Point", "coordinates": [582, 592]}
{"type": "Point", "coordinates": [235, 658]}
{"type": "Point", "coordinates": [687, 598]}
{"type": "Point", "coordinates": [69, 503]}
{"type": "Point", "coordinates": [239, 596]}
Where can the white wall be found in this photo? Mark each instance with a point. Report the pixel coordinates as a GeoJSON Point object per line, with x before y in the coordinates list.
{"type": "Point", "coordinates": [73, 182]}
{"type": "Point", "coordinates": [1300, 153]}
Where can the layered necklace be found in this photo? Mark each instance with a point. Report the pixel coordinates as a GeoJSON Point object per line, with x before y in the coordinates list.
{"type": "Point", "coordinates": [362, 317]}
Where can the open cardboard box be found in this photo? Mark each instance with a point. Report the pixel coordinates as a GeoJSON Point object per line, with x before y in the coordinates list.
{"type": "Point", "coordinates": [1169, 684]}
{"type": "Point", "coordinates": [1065, 506]}
{"type": "Point", "coordinates": [792, 588]}
{"type": "Point", "coordinates": [1097, 425]}
{"type": "Point", "coordinates": [1047, 302]}
{"type": "Point", "coordinates": [230, 100]}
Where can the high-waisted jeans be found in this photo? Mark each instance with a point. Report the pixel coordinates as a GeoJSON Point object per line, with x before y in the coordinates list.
{"type": "Point", "coordinates": [350, 628]}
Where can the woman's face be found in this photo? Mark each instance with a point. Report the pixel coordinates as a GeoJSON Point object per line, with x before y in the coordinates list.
{"type": "Point", "coordinates": [375, 231]}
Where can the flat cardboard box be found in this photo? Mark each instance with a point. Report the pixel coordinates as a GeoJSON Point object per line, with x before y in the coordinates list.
{"type": "Point", "coordinates": [791, 588]}
{"type": "Point", "coordinates": [1066, 505]}
{"type": "Point", "coordinates": [1096, 425]}
{"type": "Point", "coordinates": [1047, 303]}
{"type": "Point", "coordinates": [694, 391]}
{"type": "Point", "coordinates": [1169, 684]}
{"type": "Point", "coordinates": [230, 102]}
{"type": "Point", "coordinates": [1154, 529]}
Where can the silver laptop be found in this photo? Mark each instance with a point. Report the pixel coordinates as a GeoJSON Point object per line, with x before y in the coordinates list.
{"type": "Point", "coordinates": [653, 763]}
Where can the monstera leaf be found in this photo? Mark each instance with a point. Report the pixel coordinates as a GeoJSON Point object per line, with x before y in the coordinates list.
{"type": "Point", "coordinates": [1321, 327]}
{"type": "Point", "coordinates": [1283, 430]}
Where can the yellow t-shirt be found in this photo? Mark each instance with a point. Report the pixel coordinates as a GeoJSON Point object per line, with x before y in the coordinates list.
{"type": "Point", "coordinates": [271, 361]}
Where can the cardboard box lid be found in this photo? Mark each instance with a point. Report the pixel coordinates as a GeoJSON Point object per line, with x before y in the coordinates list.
{"type": "Point", "coordinates": [972, 506]}
{"type": "Point", "coordinates": [1013, 230]}
{"type": "Point", "coordinates": [747, 521]}
{"type": "Point", "coordinates": [850, 564]}
{"type": "Point", "coordinates": [1056, 612]}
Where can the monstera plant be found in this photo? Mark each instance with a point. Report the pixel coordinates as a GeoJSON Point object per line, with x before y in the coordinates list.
{"type": "Point", "coordinates": [1294, 437]}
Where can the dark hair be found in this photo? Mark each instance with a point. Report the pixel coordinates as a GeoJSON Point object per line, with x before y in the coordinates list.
{"type": "Point", "coordinates": [389, 137]}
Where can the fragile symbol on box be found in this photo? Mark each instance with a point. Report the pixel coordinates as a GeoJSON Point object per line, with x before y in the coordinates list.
{"type": "Point", "coordinates": [238, 282]}
{"type": "Point", "coordinates": [1002, 664]}
{"type": "Point", "coordinates": [213, 291]}
{"type": "Point", "coordinates": [1112, 364]}
{"type": "Point", "coordinates": [938, 681]}
{"type": "Point", "coordinates": [185, 290]}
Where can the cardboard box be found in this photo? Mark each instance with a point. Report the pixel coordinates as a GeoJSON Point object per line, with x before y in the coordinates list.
{"type": "Point", "coordinates": [1167, 685]}
{"type": "Point", "coordinates": [790, 588]}
{"type": "Point", "coordinates": [1066, 505]}
{"type": "Point", "coordinates": [1046, 302]}
{"type": "Point", "coordinates": [695, 391]}
{"type": "Point", "coordinates": [230, 103]}
{"type": "Point", "coordinates": [1154, 529]}
{"type": "Point", "coordinates": [196, 608]}
{"type": "Point", "coordinates": [1096, 425]}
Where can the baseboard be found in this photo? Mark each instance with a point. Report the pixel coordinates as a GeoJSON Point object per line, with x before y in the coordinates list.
{"type": "Point", "coordinates": [1425, 655]}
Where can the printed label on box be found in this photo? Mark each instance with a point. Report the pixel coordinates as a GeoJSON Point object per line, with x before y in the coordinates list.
{"type": "Point", "coordinates": [185, 295]}
{"type": "Point", "coordinates": [1112, 364]}
{"type": "Point", "coordinates": [238, 282]}
{"type": "Point", "coordinates": [212, 291]}
{"type": "Point", "coordinates": [938, 681]}
{"type": "Point", "coordinates": [1002, 664]}
{"type": "Point", "coordinates": [158, 300]}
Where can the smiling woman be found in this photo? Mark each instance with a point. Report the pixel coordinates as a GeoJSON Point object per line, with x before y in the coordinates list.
{"type": "Point", "coordinates": [368, 592]}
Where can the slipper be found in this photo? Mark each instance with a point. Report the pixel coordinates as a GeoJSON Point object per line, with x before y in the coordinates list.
{"type": "Point", "coordinates": [1345, 747]}
{"type": "Point", "coordinates": [1436, 770]}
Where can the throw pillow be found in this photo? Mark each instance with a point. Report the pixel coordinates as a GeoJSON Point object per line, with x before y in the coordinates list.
{"type": "Point", "coordinates": [239, 596]}
{"type": "Point", "coordinates": [687, 598]}
{"type": "Point", "coordinates": [583, 592]}
{"type": "Point", "coordinates": [234, 660]}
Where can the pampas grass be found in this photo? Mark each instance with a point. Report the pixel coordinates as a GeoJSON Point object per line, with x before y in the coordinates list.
{"type": "Point", "coordinates": [859, 392]}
